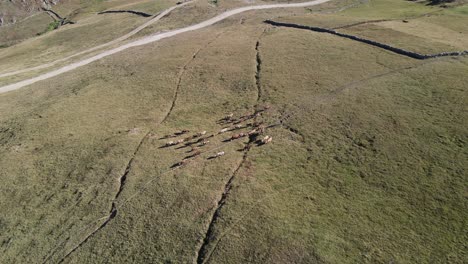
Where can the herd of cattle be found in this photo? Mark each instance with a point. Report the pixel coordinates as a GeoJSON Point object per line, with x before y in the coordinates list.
{"type": "Point", "coordinates": [197, 141]}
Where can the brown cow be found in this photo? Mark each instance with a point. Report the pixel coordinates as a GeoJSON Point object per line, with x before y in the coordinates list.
{"type": "Point", "coordinates": [217, 155]}
{"type": "Point", "coordinates": [261, 129]}
{"type": "Point", "coordinates": [171, 143]}
{"type": "Point", "coordinates": [204, 143]}
{"type": "Point", "coordinates": [199, 134]}
{"type": "Point", "coordinates": [266, 140]}
{"type": "Point", "coordinates": [235, 136]}
{"type": "Point", "coordinates": [252, 132]}
{"type": "Point", "coordinates": [192, 149]}
{"type": "Point", "coordinates": [181, 163]}
{"type": "Point", "coordinates": [257, 123]}
{"type": "Point", "coordinates": [223, 130]}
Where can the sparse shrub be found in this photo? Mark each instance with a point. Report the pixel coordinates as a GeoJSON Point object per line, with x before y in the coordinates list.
{"type": "Point", "coordinates": [52, 26]}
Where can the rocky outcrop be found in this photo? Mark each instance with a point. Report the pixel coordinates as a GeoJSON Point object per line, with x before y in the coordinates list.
{"type": "Point", "coordinates": [13, 11]}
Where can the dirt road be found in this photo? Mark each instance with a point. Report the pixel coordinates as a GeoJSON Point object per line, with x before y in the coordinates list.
{"type": "Point", "coordinates": [115, 41]}
{"type": "Point", "coordinates": [150, 39]}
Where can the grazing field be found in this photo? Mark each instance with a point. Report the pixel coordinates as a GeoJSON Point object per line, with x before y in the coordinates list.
{"type": "Point", "coordinates": [426, 30]}
{"type": "Point", "coordinates": [367, 163]}
{"type": "Point", "coordinates": [89, 31]}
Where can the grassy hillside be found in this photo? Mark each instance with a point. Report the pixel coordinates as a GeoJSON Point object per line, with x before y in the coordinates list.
{"type": "Point", "coordinates": [89, 31]}
{"type": "Point", "coordinates": [367, 164]}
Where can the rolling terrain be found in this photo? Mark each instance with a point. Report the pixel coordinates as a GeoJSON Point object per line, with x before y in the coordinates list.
{"type": "Point", "coordinates": [368, 158]}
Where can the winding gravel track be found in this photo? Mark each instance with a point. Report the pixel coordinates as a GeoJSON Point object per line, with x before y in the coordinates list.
{"type": "Point", "coordinates": [150, 39]}
{"type": "Point", "coordinates": [115, 41]}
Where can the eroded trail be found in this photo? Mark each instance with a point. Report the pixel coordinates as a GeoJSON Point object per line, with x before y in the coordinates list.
{"type": "Point", "coordinates": [205, 250]}
{"type": "Point", "coordinates": [150, 39]}
{"type": "Point", "coordinates": [113, 210]}
{"type": "Point", "coordinates": [181, 75]}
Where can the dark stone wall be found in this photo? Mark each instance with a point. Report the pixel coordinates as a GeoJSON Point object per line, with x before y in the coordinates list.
{"type": "Point", "coordinates": [407, 53]}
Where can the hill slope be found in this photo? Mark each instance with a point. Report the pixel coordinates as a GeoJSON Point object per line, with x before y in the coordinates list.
{"type": "Point", "coordinates": [367, 163]}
